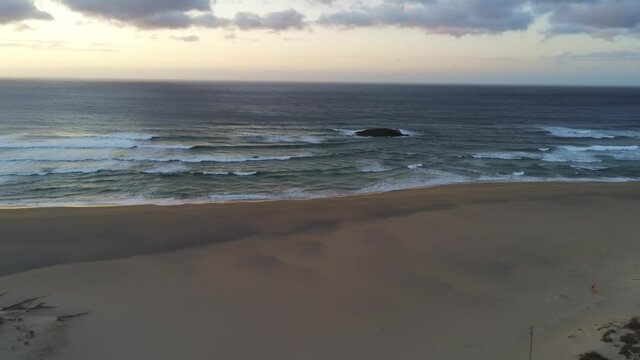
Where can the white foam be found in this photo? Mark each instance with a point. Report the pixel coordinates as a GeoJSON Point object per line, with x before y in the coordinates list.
{"type": "Point", "coordinates": [103, 155]}
{"type": "Point", "coordinates": [437, 179]}
{"type": "Point", "coordinates": [560, 155]}
{"type": "Point", "coordinates": [32, 168]}
{"type": "Point", "coordinates": [504, 155]}
{"type": "Point", "coordinates": [131, 136]}
{"type": "Point", "coordinates": [347, 132]}
{"type": "Point", "coordinates": [518, 173]}
{"type": "Point", "coordinates": [166, 147]}
{"type": "Point", "coordinates": [115, 201]}
{"type": "Point", "coordinates": [206, 158]}
{"type": "Point", "coordinates": [589, 167]}
{"type": "Point", "coordinates": [77, 141]}
{"type": "Point", "coordinates": [226, 173]}
{"type": "Point", "coordinates": [244, 173]}
{"type": "Point", "coordinates": [619, 152]}
{"type": "Point", "coordinates": [602, 148]}
{"type": "Point", "coordinates": [565, 132]}
{"type": "Point", "coordinates": [374, 168]}
{"type": "Point", "coordinates": [167, 169]}
{"type": "Point", "coordinates": [241, 197]}
{"type": "Point", "coordinates": [415, 181]}
{"type": "Point", "coordinates": [568, 153]}
{"type": "Point", "coordinates": [216, 173]}
{"type": "Point", "coordinates": [409, 132]}
{"type": "Point", "coordinates": [414, 166]}
{"type": "Point", "coordinates": [309, 139]}
{"type": "Point", "coordinates": [292, 194]}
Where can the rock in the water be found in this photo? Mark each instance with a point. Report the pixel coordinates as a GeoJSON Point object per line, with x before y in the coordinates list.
{"type": "Point", "coordinates": [380, 133]}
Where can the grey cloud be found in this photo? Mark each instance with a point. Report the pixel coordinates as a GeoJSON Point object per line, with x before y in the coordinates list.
{"type": "Point", "coordinates": [601, 18]}
{"type": "Point", "coordinates": [180, 14]}
{"type": "Point", "coordinates": [323, 2]}
{"type": "Point", "coordinates": [170, 14]}
{"type": "Point", "coordinates": [186, 38]}
{"type": "Point", "coordinates": [606, 18]}
{"type": "Point", "coordinates": [278, 20]}
{"type": "Point", "coordinates": [598, 56]}
{"type": "Point", "coordinates": [438, 16]}
{"type": "Point", "coordinates": [138, 9]}
{"type": "Point", "coordinates": [19, 10]}
{"type": "Point", "coordinates": [58, 46]}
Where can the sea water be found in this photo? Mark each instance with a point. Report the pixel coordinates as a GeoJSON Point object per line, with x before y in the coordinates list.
{"type": "Point", "coordinates": [88, 142]}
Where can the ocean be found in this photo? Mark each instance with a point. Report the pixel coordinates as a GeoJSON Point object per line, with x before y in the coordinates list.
{"type": "Point", "coordinates": [106, 143]}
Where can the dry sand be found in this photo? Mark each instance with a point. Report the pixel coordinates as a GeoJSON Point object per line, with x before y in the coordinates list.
{"type": "Point", "coordinates": [448, 273]}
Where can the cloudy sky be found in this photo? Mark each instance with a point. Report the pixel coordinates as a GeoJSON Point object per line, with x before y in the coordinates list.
{"type": "Point", "coordinates": [584, 42]}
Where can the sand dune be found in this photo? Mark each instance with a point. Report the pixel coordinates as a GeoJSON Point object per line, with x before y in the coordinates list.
{"type": "Point", "coordinates": [457, 272]}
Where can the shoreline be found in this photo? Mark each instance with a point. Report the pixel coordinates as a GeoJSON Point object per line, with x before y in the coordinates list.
{"type": "Point", "coordinates": [336, 196]}
{"type": "Point", "coordinates": [49, 236]}
{"type": "Point", "coordinates": [448, 273]}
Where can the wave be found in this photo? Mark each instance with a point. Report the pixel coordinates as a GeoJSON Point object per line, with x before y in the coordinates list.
{"type": "Point", "coordinates": [165, 147]}
{"type": "Point", "coordinates": [559, 154]}
{"type": "Point", "coordinates": [170, 169]}
{"type": "Point", "coordinates": [503, 155]}
{"type": "Point", "coordinates": [589, 167]}
{"type": "Point", "coordinates": [569, 156]}
{"type": "Point", "coordinates": [348, 132]}
{"type": "Point", "coordinates": [96, 170]}
{"type": "Point", "coordinates": [374, 168]}
{"type": "Point", "coordinates": [181, 169]}
{"type": "Point", "coordinates": [410, 132]}
{"type": "Point", "coordinates": [184, 159]}
{"type": "Point", "coordinates": [220, 159]}
{"type": "Point", "coordinates": [30, 168]}
{"type": "Point", "coordinates": [132, 136]}
{"type": "Point", "coordinates": [433, 178]}
{"type": "Point", "coordinates": [147, 141]}
{"type": "Point", "coordinates": [244, 173]}
{"type": "Point", "coordinates": [414, 166]}
{"type": "Point", "coordinates": [35, 168]}
{"type": "Point", "coordinates": [440, 178]}
{"type": "Point", "coordinates": [618, 152]}
{"type": "Point", "coordinates": [565, 132]}
{"type": "Point", "coordinates": [163, 201]}
{"type": "Point", "coordinates": [437, 179]}
{"type": "Point", "coordinates": [274, 139]}
{"type": "Point", "coordinates": [77, 141]}
{"type": "Point", "coordinates": [602, 148]}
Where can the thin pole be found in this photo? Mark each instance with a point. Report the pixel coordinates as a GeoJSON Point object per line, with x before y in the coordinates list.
{"type": "Point", "coordinates": [531, 344]}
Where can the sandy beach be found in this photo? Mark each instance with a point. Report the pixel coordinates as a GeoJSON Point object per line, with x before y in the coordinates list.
{"type": "Point", "coordinates": [446, 273]}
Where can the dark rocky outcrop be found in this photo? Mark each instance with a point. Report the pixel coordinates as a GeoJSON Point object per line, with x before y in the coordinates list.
{"type": "Point", "coordinates": [623, 338]}
{"type": "Point", "coordinates": [382, 132]}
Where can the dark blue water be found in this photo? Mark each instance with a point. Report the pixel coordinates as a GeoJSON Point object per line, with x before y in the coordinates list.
{"type": "Point", "coordinates": [123, 143]}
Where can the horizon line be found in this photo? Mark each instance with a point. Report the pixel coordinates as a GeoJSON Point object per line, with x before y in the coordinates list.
{"type": "Point", "coordinates": [325, 82]}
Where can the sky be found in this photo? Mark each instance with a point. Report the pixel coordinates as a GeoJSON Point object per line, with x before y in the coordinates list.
{"type": "Point", "coordinates": [555, 42]}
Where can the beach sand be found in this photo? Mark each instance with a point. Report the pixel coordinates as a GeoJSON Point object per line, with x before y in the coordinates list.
{"type": "Point", "coordinates": [448, 273]}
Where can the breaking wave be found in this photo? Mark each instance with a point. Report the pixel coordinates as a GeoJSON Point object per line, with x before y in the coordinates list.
{"type": "Point", "coordinates": [564, 132]}
{"type": "Point", "coordinates": [374, 168]}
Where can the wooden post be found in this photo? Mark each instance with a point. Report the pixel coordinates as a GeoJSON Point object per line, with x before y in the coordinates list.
{"type": "Point", "coordinates": [531, 344]}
